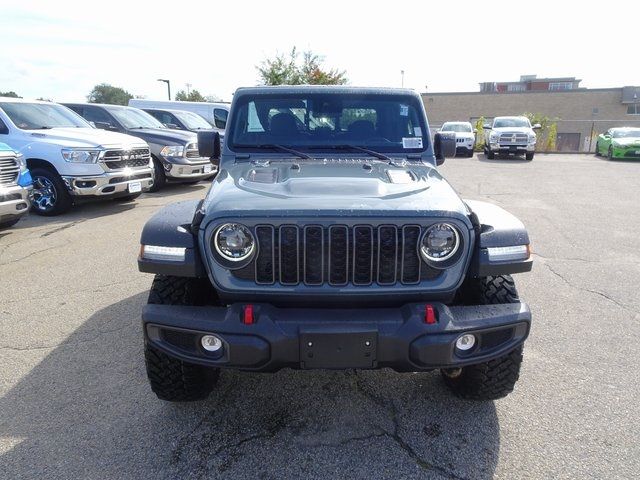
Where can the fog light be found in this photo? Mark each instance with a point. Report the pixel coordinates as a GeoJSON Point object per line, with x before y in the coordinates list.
{"type": "Point", "coordinates": [465, 342]}
{"type": "Point", "coordinates": [211, 343]}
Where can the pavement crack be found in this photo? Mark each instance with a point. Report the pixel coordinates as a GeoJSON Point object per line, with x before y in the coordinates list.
{"type": "Point", "coordinates": [63, 227]}
{"type": "Point", "coordinates": [30, 255]}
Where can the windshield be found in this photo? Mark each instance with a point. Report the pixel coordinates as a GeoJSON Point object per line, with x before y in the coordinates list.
{"type": "Point", "coordinates": [456, 127]}
{"type": "Point", "coordinates": [134, 118]}
{"type": "Point", "coordinates": [511, 122]}
{"type": "Point", "coordinates": [193, 121]}
{"type": "Point", "coordinates": [384, 123]}
{"type": "Point", "coordinates": [38, 116]}
{"type": "Point", "coordinates": [626, 133]}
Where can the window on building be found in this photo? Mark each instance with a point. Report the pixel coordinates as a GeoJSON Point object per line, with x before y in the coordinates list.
{"type": "Point", "coordinates": [516, 87]}
{"type": "Point", "coordinates": [633, 109]}
{"type": "Point", "coordinates": [560, 86]}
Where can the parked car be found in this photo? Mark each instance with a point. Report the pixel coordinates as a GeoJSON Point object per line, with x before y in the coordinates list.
{"type": "Point", "coordinates": [15, 186]}
{"type": "Point", "coordinates": [465, 136]}
{"type": "Point", "coordinates": [214, 113]}
{"type": "Point", "coordinates": [623, 142]}
{"type": "Point", "coordinates": [70, 160]}
{"type": "Point", "coordinates": [174, 152]}
{"type": "Point", "coordinates": [334, 248]}
{"type": "Point", "coordinates": [510, 136]}
{"type": "Point", "coordinates": [179, 119]}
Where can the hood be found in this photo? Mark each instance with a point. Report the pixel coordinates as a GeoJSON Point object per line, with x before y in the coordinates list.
{"type": "Point", "coordinates": [332, 187]}
{"type": "Point", "coordinates": [626, 141]}
{"type": "Point", "coordinates": [512, 130]}
{"type": "Point", "coordinates": [164, 135]}
{"type": "Point", "coordinates": [83, 137]}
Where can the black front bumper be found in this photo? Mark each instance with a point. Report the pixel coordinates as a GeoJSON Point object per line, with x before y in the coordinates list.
{"type": "Point", "coordinates": [336, 338]}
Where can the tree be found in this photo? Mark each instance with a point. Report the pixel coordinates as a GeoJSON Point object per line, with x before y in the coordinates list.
{"type": "Point", "coordinates": [289, 70]}
{"type": "Point", "coordinates": [192, 96]}
{"type": "Point", "coordinates": [480, 134]}
{"type": "Point", "coordinates": [546, 137]}
{"type": "Point", "coordinates": [105, 93]}
{"type": "Point", "coordinates": [11, 94]}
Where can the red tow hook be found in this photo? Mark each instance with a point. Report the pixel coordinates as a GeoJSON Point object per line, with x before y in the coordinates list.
{"type": "Point", "coordinates": [429, 315]}
{"type": "Point", "coordinates": [247, 316]}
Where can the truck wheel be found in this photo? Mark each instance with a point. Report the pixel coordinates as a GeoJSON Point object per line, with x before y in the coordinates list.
{"type": "Point", "coordinates": [529, 156]}
{"type": "Point", "coordinates": [490, 154]}
{"type": "Point", "coordinates": [159, 178]}
{"type": "Point", "coordinates": [9, 223]}
{"type": "Point", "coordinates": [597, 152]}
{"type": "Point", "coordinates": [172, 379]}
{"type": "Point", "coordinates": [496, 378]}
{"type": "Point", "coordinates": [610, 153]}
{"type": "Point", "coordinates": [50, 196]}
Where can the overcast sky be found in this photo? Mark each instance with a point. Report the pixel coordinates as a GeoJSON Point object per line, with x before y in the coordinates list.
{"type": "Point", "coordinates": [60, 50]}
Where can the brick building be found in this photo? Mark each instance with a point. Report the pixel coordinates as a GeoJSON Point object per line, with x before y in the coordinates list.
{"type": "Point", "coordinates": [580, 112]}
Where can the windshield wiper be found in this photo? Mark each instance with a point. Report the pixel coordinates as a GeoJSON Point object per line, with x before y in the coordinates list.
{"type": "Point", "coordinates": [284, 148]}
{"type": "Point", "coordinates": [373, 153]}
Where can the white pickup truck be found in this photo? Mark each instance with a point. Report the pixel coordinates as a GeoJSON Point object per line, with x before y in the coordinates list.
{"type": "Point", "coordinates": [510, 135]}
{"type": "Point", "coordinates": [69, 159]}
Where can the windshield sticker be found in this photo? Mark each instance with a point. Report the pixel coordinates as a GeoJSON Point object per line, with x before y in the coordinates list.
{"type": "Point", "coordinates": [417, 131]}
{"type": "Point", "coordinates": [404, 110]}
{"type": "Point", "coordinates": [412, 142]}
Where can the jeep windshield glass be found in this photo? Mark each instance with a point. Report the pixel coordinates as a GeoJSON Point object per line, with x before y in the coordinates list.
{"type": "Point", "coordinates": [456, 127]}
{"type": "Point", "coordinates": [193, 121]}
{"type": "Point", "coordinates": [134, 118]}
{"type": "Point", "coordinates": [41, 116]}
{"type": "Point", "coordinates": [511, 122]}
{"type": "Point", "coordinates": [320, 123]}
{"type": "Point", "coordinates": [627, 133]}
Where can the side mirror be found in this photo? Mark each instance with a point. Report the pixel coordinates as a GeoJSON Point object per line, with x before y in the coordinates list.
{"type": "Point", "coordinates": [537, 126]}
{"type": "Point", "coordinates": [444, 146]}
{"type": "Point", "coordinates": [475, 130]}
{"type": "Point", "coordinates": [487, 126]}
{"type": "Point", "coordinates": [104, 126]}
{"type": "Point", "coordinates": [209, 146]}
{"type": "Point", "coordinates": [172, 126]}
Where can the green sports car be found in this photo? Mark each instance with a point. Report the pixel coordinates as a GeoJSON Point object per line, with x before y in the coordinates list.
{"type": "Point", "coordinates": [619, 143]}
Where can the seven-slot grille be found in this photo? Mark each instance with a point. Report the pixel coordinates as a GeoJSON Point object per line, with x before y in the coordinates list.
{"type": "Point", "coordinates": [337, 255]}
{"type": "Point", "coordinates": [9, 170]}
{"type": "Point", "coordinates": [192, 151]}
{"type": "Point", "coordinates": [119, 159]}
{"type": "Point", "coordinates": [513, 138]}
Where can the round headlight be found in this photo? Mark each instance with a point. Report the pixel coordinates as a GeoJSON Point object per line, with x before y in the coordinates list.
{"type": "Point", "coordinates": [234, 242]}
{"type": "Point", "coordinates": [440, 242]}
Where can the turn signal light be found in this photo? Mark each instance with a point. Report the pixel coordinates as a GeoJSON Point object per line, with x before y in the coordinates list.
{"type": "Point", "coordinates": [429, 315]}
{"type": "Point", "coordinates": [247, 316]}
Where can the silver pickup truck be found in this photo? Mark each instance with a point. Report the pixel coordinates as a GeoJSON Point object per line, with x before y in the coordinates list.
{"type": "Point", "coordinates": [14, 198]}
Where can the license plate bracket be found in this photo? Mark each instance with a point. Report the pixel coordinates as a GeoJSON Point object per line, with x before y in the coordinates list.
{"type": "Point", "coordinates": [338, 349]}
{"type": "Point", "coordinates": [135, 187]}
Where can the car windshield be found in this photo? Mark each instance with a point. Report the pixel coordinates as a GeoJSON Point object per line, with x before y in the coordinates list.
{"type": "Point", "coordinates": [327, 121]}
{"type": "Point", "coordinates": [192, 121]}
{"type": "Point", "coordinates": [456, 127]}
{"type": "Point", "coordinates": [134, 118]}
{"type": "Point", "coordinates": [39, 116]}
{"type": "Point", "coordinates": [511, 122]}
{"type": "Point", "coordinates": [626, 133]}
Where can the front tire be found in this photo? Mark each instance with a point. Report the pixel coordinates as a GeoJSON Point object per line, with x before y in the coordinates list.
{"type": "Point", "coordinates": [529, 156]}
{"type": "Point", "coordinates": [9, 223]}
{"type": "Point", "coordinates": [597, 152]}
{"type": "Point", "coordinates": [49, 196]}
{"type": "Point", "coordinates": [610, 153]}
{"type": "Point", "coordinates": [496, 378]}
{"type": "Point", "coordinates": [490, 154]}
{"type": "Point", "coordinates": [172, 379]}
{"type": "Point", "coordinates": [159, 178]}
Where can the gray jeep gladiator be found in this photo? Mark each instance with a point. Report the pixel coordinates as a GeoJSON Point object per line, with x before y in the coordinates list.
{"type": "Point", "coordinates": [329, 240]}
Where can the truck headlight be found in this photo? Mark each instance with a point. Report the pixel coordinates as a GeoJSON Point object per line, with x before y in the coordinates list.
{"type": "Point", "coordinates": [439, 243]}
{"type": "Point", "coordinates": [234, 242]}
{"type": "Point", "coordinates": [22, 163]}
{"type": "Point", "coordinates": [172, 151]}
{"type": "Point", "coordinates": [493, 137]}
{"type": "Point", "coordinates": [532, 139]}
{"type": "Point", "coordinates": [72, 155]}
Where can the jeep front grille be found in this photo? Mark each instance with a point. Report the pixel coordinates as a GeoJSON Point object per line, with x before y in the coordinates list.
{"type": "Point", "coordinates": [9, 170]}
{"type": "Point", "coordinates": [119, 159]}
{"type": "Point", "coordinates": [513, 138]}
{"type": "Point", "coordinates": [337, 255]}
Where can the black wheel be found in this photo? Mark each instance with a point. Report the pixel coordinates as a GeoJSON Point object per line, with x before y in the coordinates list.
{"type": "Point", "coordinates": [172, 379]}
{"type": "Point", "coordinates": [496, 378]}
{"type": "Point", "coordinates": [597, 152]}
{"type": "Point", "coordinates": [490, 154]}
{"type": "Point", "coordinates": [529, 156]}
{"type": "Point", "coordinates": [9, 223]}
{"type": "Point", "coordinates": [127, 198]}
{"type": "Point", "coordinates": [470, 153]}
{"type": "Point", "coordinates": [610, 153]}
{"type": "Point", "coordinates": [159, 178]}
{"type": "Point", "coordinates": [50, 196]}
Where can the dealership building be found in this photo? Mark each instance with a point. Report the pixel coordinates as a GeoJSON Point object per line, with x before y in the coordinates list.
{"type": "Point", "coordinates": [580, 113]}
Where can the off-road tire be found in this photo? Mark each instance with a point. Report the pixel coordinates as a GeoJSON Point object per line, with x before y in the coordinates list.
{"type": "Point", "coordinates": [159, 178]}
{"type": "Point", "coordinates": [490, 154]}
{"type": "Point", "coordinates": [470, 154]}
{"type": "Point", "coordinates": [172, 379]}
{"type": "Point", "coordinates": [529, 156]}
{"type": "Point", "coordinates": [496, 378]}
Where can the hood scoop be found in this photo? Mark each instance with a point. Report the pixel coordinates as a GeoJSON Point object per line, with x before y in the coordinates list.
{"type": "Point", "coordinates": [400, 176]}
{"type": "Point", "coordinates": [263, 175]}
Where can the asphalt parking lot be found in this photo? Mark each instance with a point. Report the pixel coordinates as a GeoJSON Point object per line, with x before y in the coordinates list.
{"type": "Point", "coordinates": [74, 399]}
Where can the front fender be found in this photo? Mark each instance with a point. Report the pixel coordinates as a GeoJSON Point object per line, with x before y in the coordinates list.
{"type": "Point", "coordinates": [172, 227]}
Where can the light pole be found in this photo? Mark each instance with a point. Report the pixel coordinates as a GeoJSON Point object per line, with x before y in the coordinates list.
{"type": "Point", "coordinates": [188, 88]}
{"type": "Point", "coordinates": [402, 76]}
{"type": "Point", "coordinates": [168, 86]}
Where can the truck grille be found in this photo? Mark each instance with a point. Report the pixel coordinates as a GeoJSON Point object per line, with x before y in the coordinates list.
{"type": "Point", "coordinates": [9, 170]}
{"type": "Point", "coordinates": [315, 255]}
{"type": "Point", "coordinates": [119, 159]}
{"type": "Point", "coordinates": [513, 138]}
{"type": "Point", "coordinates": [192, 151]}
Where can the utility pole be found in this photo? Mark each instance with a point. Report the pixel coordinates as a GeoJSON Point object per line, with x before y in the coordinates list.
{"type": "Point", "coordinates": [168, 86]}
